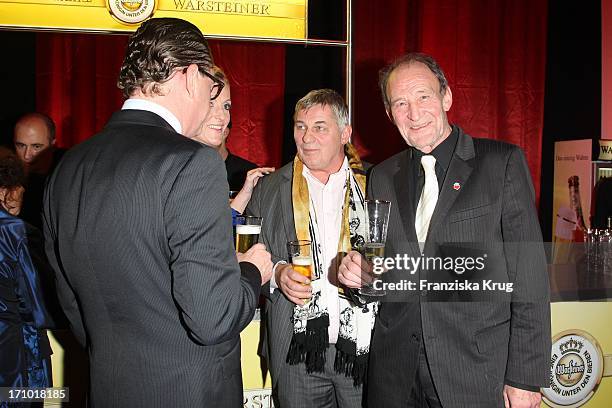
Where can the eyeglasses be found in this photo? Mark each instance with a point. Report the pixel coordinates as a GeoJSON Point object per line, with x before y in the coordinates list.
{"type": "Point", "coordinates": [218, 84]}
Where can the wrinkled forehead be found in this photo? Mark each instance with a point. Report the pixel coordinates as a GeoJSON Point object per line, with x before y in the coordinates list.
{"type": "Point", "coordinates": [31, 138]}
{"type": "Point", "coordinates": [316, 113]}
{"type": "Point", "coordinates": [412, 75]}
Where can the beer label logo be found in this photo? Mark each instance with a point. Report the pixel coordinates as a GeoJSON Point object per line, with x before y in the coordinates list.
{"type": "Point", "coordinates": [576, 368]}
{"type": "Point", "coordinates": [131, 11]}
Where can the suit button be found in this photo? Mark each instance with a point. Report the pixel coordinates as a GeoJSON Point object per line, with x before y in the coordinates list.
{"type": "Point", "coordinates": [415, 338]}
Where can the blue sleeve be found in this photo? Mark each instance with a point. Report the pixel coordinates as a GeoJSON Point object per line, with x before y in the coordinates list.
{"type": "Point", "coordinates": [235, 214]}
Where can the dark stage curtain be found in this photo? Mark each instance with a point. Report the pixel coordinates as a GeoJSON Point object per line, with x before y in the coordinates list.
{"type": "Point", "coordinates": [76, 79]}
{"type": "Point", "coordinates": [493, 53]}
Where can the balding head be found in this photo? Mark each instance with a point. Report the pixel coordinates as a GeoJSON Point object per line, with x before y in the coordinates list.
{"type": "Point", "coordinates": [34, 133]}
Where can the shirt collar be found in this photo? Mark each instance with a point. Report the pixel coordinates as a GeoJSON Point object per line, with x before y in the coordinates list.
{"type": "Point", "coordinates": [143, 104]}
{"type": "Point", "coordinates": [340, 173]}
{"type": "Point", "coordinates": [443, 152]}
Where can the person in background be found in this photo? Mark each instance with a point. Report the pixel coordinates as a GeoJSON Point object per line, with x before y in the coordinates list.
{"type": "Point", "coordinates": [137, 231]}
{"type": "Point", "coordinates": [34, 142]}
{"type": "Point", "coordinates": [24, 346]}
{"type": "Point", "coordinates": [242, 175]}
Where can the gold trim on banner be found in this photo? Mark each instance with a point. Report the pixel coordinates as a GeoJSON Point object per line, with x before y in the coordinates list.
{"type": "Point", "coordinates": [282, 19]}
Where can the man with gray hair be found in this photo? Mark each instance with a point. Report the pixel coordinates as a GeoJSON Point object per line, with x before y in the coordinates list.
{"type": "Point", "coordinates": [459, 198]}
{"type": "Point", "coordinates": [317, 341]}
{"type": "Point", "coordinates": [138, 230]}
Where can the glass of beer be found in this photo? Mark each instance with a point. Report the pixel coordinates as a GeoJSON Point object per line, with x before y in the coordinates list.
{"type": "Point", "coordinates": [247, 232]}
{"type": "Point", "coordinates": [301, 262]}
{"type": "Point", "coordinates": [377, 222]}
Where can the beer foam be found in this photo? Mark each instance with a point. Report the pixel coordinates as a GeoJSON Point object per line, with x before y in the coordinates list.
{"type": "Point", "coordinates": [248, 229]}
{"type": "Point", "coordinates": [301, 261]}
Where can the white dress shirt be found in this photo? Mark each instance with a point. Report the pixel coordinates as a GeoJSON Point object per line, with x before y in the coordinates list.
{"type": "Point", "coordinates": [143, 104]}
{"type": "Point", "coordinates": [327, 201]}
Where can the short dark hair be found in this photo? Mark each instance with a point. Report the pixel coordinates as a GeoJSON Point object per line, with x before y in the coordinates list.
{"type": "Point", "coordinates": [49, 124]}
{"type": "Point", "coordinates": [156, 49]}
{"type": "Point", "coordinates": [408, 59]}
{"type": "Point", "coordinates": [12, 173]}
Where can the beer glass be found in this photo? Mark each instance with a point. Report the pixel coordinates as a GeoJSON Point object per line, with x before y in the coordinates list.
{"type": "Point", "coordinates": [247, 232]}
{"type": "Point", "coordinates": [377, 222]}
{"type": "Point", "coordinates": [301, 262]}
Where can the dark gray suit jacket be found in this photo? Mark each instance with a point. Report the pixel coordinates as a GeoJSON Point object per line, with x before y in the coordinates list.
{"type": "Point", "coordinates": [272, 200]}
{"type": "Point", "coordinates": [473, 348]}
{"type": "Point", "coordinates": [138, 229]}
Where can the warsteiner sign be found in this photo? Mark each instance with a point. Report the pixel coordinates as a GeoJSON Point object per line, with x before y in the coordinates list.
{"type": "Point", "coordinates": [576, 369]}
{"type": "Point", "coordinates": [279, 19]}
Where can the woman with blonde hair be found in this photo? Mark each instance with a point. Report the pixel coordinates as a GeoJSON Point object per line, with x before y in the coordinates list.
{"type": "Point", "coordinates": [214, 134]}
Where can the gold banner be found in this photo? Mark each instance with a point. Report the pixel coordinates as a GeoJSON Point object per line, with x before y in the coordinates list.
{"type": "Point", "coordinates": [279, 19]}
{"type": "Point", "coordinates": [605, 149]}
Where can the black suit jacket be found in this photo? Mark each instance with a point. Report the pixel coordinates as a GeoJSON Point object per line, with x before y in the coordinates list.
{"type": "Point", "coordinates": [486, 204]}
{"type": "Point", "coordinates": [138, 229]}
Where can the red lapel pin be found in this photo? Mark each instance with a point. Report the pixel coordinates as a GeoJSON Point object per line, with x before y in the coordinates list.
{"type": "Point", "coordinates": [456, 186]}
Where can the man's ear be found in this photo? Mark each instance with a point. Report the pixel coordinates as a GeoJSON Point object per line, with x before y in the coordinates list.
{"type": "Point", "coordinates": [345, 137]}
{"type": "Point", "coordinates": [191, 80]}
{"type": "Point", "coordinates": [447, 99]}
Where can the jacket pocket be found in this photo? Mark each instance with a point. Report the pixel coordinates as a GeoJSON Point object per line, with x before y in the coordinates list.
{"type": "Point", "coordinates": [470, 213]}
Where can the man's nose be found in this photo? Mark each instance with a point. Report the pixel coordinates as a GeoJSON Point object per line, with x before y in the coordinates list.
{"type": "Point", "coordinates": [308, 137]}
{"type": "Point", "coordinates": [29, 153]}
{"type": "Point", "coordinates": [414, 112]}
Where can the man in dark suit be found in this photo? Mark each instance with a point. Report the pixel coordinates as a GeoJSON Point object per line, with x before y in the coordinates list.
{"type": "Point", "coordinates": [138, 230]}
{"type": "Point", "coordinates": [318, 360]}
{"type": "Point", "coordinates": [449, 190]}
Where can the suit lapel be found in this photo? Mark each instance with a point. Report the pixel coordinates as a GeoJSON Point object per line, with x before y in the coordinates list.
{"type": "Point", "coordinates": [459, 171]}
{"type": "Point", "coordinates": [287, 207]}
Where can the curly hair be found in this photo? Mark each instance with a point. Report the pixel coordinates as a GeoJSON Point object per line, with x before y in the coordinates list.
{"type": "Point", "coordinates": [156, 49]}
{"type": "Point", "coordinates": [12, 174]}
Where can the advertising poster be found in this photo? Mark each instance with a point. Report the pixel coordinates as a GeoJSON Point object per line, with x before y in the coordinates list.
{"type": "Point", "coordinates": [279, 19]}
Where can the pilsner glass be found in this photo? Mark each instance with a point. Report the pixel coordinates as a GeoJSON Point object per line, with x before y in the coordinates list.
{"type": "Point", "coordinates": [247, 232]}
{"type": "Point", "coordinates": [301, 262]}
{"type": "Point", "coordinates": [377, 222]}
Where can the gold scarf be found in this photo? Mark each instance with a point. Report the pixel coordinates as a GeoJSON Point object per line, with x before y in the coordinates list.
{"type": "Point", "coordinates": [301, 203]}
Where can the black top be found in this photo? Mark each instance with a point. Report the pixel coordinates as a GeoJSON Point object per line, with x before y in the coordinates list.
{"type": "Point", "coordinates": [31, 210]}
{"type": "Point", "coordinates": [237, 169]}
{"type": "Point", "coordinates": [443, 154]}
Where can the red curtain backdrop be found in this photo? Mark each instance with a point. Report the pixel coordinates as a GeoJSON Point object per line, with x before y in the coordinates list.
{"type": "Point", "coordinates": [257, 77]}
{"type": "Point", "coordinates": [76, 85]}
{"type": "Point", "coordinates": [76, 77]}
{"type": "Point", "coordinates": [493, 53]}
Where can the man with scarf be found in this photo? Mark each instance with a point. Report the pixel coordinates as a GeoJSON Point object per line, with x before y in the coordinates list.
{"type": "Point", "coordinates": [319, 197]}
